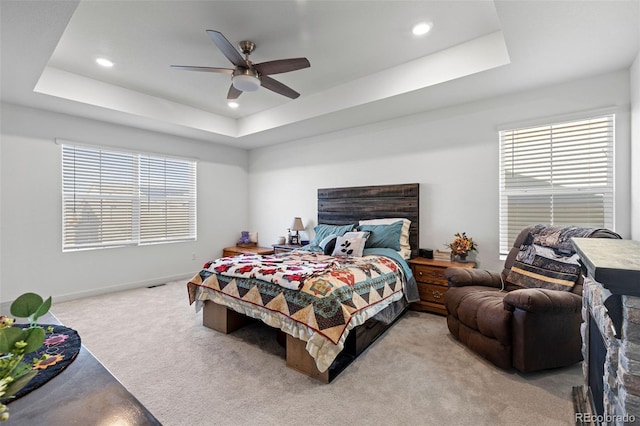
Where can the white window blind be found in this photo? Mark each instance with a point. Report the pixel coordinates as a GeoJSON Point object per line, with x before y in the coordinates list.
{"type": "Point", "coordinates": [120, 198]}
{"type": "Point", "coordinates": [557, 174]}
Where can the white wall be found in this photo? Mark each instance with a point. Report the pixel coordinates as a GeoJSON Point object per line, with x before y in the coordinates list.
{"type": "Point", "coordinates": [452, 153]}
{"type": "Point", "coordinates": [635, 148]}
{"type": "Point", "coordinates": [31, 258]}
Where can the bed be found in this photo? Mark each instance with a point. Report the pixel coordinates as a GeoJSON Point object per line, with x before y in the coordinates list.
{"type": "Point", "coordinates": [328, 308]}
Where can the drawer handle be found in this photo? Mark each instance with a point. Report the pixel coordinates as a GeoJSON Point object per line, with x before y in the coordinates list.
{"type": "Point", "coordinates": [420, 273]}
{"type": "Point", "coordinates": [436, 294]}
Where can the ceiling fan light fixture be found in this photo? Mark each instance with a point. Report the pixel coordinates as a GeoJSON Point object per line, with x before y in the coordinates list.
{"type": "Point", "coordinates": [246, 81]}
{"type": "Point", "coordinates": [233, 105]}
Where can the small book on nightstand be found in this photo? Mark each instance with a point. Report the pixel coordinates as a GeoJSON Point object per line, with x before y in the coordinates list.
{"type": "Point", "coordinates": [442, 254]}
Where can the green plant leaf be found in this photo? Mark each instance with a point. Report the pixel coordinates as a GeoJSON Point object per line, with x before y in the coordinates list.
{"type": "Point", "coordinates": [8, 338]}
{"type": "Point", "coordinates": [34, 337]}
{"type": "Point", "coordinates": [42, 309]}
{"type": "Point", "coordinates": [26, 305]}
{"type": "Point", "coordinates": [18, 384]}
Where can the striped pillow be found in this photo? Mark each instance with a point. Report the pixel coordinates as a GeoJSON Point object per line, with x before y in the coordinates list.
{"type": "Point", "coordinates": [544, 273]}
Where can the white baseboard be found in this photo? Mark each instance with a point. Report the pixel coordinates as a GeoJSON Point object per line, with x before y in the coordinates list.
{"type": "Point", "coordinates": [5, 306]}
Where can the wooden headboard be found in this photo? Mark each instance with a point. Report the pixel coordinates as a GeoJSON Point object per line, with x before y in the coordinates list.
{"type": "Point", "coordinates": [341, 206]}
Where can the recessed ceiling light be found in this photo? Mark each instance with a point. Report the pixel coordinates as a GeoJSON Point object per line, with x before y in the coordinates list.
{"type": "Point", "coordinates": [104, 62]}
{"type": "Point", "coordinates": [233, 105]}
{"type": "Point", "coordinates": [422, 28]}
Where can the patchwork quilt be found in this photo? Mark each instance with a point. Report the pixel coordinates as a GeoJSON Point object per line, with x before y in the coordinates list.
{"type": "Point", "coordinates": [289, 272]}
{"type": "Point", "coordinates": [324, 295]}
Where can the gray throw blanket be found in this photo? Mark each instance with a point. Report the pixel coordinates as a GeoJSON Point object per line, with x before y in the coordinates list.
{"type": "Point", "coordinates": [557, 238]}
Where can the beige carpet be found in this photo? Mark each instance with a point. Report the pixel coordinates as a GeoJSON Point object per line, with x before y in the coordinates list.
{"type": "Point", "coordinates": [416, 374]}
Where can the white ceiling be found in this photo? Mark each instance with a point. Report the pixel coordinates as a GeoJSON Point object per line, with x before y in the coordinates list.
{"type": "Point", "coordinates": [366, 66]}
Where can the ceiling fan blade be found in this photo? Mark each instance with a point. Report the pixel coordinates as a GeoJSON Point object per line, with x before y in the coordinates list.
{"type": "Point", "coordinates": [227, 48]}
{"type": "Point", "coordinates": [233, 92]}
{"type": "Point", "coordinates": [278, 87]}
{"type": "Point", "coordinates": [204, 69]}
{"type": "Point", "coordinates": [282, 65]}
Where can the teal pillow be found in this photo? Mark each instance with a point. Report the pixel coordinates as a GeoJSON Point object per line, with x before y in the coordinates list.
{"type": "Point", "coordinates": [323, 231]}
{"type": "Point", "coordinates": [383, 236]}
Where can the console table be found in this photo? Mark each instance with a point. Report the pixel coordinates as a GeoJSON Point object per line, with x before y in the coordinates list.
{"type": "Point", "coordinates": [85, 393]}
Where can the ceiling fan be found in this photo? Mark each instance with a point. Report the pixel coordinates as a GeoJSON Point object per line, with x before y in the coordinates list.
{"type": "Point", "coordinates": [247, 76]}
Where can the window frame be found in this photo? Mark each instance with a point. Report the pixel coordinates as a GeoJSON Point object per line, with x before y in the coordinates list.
{"type": "Point", "coordinates": [101, 170]}
{"type": "Point", "coordinates": [594, 187]}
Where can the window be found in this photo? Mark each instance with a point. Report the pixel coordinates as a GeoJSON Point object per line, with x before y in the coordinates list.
{"type": "Point", "coordinates": [556, 174]}
{"type": "Point", "coordinates": [119, 198]}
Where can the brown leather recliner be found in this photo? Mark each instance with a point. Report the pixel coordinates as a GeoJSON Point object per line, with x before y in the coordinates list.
{"type": "Point", "coordinates": [529, 329]}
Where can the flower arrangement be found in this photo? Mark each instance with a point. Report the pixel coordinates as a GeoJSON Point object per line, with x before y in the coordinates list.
{"type": "Point", "coordinates": [15, 342]}
{"type": "Point", "coordinates": [462, 245]}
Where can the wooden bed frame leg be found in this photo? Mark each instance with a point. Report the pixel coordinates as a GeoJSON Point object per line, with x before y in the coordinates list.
{"type": "Point", "coordinates": [222, 319]}
{"type": "Point", "coordinates": [299, 359]}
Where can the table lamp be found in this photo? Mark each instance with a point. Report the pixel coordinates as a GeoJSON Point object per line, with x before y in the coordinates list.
{"type": "Point", "coordinates": [296, 226]}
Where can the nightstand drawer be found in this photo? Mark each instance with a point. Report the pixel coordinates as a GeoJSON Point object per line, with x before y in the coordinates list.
{"type": "Point", "coordinates": [431, 292]}
{"type": "Point", "coordinates": [432, 284]}
{"type": "Point", "coordinates": [429, 274]}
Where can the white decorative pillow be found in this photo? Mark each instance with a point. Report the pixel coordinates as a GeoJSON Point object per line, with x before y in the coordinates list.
{"type": "Point", "coordinates": [349, 246]}
{"type": "Point", "coordinates": [405, 247]}
{"type": "Point", "coordinates": [357, 234]}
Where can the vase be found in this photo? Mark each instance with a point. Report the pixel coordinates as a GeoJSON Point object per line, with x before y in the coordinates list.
{"type": "Point", "coordinates": [462, 257]}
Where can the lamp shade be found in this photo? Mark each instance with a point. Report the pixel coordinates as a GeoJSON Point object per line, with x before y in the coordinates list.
{"type": "Point", "coordinates": [297, 224]}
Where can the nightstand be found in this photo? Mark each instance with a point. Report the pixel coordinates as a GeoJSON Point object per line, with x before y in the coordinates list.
{"type": "Point", "coordinates": [432, 284]}
{"type": "Point", "coordinates": [283, 248]}
{"type": "Point", "coordinates": [236, 250]}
